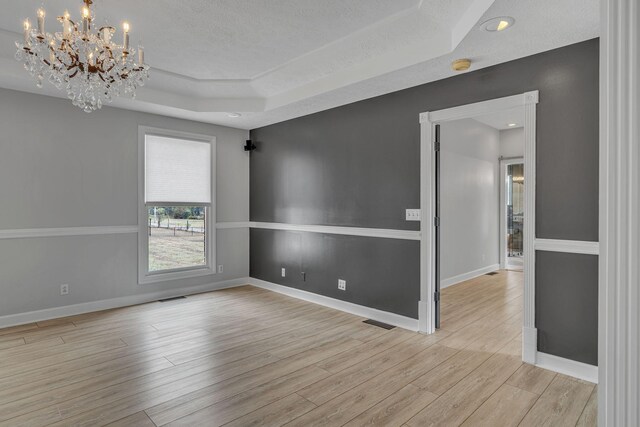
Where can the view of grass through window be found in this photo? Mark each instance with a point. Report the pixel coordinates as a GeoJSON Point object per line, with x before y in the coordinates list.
{"type": "Point", "coordinates": [176, 237]}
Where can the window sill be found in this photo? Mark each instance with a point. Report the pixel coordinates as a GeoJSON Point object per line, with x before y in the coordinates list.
{"type": "Point", "coordinates": [175, 275]}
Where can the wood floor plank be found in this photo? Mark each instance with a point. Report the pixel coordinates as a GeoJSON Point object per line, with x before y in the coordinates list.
{"type": "Point", "coordinates": [561, 404]}
{"type": "Point", "coordinates": [242, 404]}
{"type": "Point", "coordinates": [187, 404]}
{"type": "Point", "coordinates": [336, 384]}
{"type": "Point", "coordinates": [373, 347]}
{"type": "Point", "coordinates": [112, 403]}
{"type": "Point", "coordinates": [396, 409]}
{"type": "Point", "coordinates": [14, 342]}
{"type": "Point", "coordinates": [275, 414]}
{"type": "Point", "coordinates": [136, 420]}
{"type": "Point", "coordinates": [589, 417]}
{"type": "Point", "coordinates": [505, 408]}
{"type": "Point", "coordinates": [59, 395]}
{"type": "Point", "coordinates": [531, 378]}
{"type": "Point", "coordinates": [461, 400]}
{"type": "Point", "coordinates": [451, 371]}
{"type": "Point", "coordinates": [352, 403]}
{"type": "Point", "coordinates": [18, 328]}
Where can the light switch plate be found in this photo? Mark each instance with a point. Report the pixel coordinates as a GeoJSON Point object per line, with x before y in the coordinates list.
{"type": "Point", "coordinates": [413, 215]}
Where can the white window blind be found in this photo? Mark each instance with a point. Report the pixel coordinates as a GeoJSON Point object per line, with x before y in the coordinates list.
{"type": "Point", "coordinates": [177, 170]}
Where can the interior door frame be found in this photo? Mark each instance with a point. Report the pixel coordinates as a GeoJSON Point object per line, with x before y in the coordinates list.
{"type": "Point", "coordinates": [428, 120]}
{"type": "Point", "coordinates": [504, 162]}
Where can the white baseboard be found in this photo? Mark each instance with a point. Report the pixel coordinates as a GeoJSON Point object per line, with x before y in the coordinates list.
{"type": "Point", "coordinates": [88, 307]}
{"type": "Point", "coordinates": [445, 283]}
{"type": "Point", "coordinates": [358, 310]}
{"type": "Point", "coordinates": [569, 367]}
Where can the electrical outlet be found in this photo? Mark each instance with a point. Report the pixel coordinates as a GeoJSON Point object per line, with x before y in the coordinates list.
{"type": "Point", "coordinates": [284, 272]}
{"type": "Point", "coordinates": [64, 289]}
{"type": "Point", "coordinates": [412, 215]}
{"type": "Point", "coordinates": [342, 285]}
{"type": "Point", "coordinates": [220, 268]}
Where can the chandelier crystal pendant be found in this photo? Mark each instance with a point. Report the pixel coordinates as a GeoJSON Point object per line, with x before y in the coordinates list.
{"type": "Point", "coordinates": [89, 65]}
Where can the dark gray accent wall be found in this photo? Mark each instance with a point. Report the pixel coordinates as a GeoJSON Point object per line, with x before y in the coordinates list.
{"type": "Point", "coordinates": [358, 165]}
{"type": "Point", "coordinates": [390, 285]}
{"type": "Point", "coordinates": [565, 315]}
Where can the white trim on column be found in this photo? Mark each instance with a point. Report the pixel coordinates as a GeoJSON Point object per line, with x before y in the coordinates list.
{"type": "Point", "coordinates": [348, 307]}
{"type": "Point", "coordinates": [529, 232]}
{"type": "Point", "coordinates": [529, 343]}
{"type": "Point", "coordinates": [619, 269]}
{"type": "Point", "coordinates": [27, 233]}
{"type": "Point", "coordinates": [428, 120]}
{"type": "Point", "coordinates": [568, 246]}
{"type": "Point", "coordinates": [569, 367]}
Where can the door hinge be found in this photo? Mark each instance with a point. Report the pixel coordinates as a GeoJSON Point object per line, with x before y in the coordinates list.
{"type": "Point", "coordinates": [436, 146]}
{"type": "Point", "coordinates": [436, 296]}
{"type": "Point", "coordinates": [436, 221]}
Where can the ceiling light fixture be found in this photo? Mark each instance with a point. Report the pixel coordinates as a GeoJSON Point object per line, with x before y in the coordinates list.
{"type": "Point", "coordinates": [512, 125]}
{"type": "Point", "coordinates": [234, 115]}
{"type": "Point", "coordinates": [500, 23]}
{"type": "Point", "coordinates": [89, 65]}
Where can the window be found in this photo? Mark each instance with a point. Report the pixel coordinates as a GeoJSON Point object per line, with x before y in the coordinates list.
{"type": "Point", "coordinates": [176, 212]}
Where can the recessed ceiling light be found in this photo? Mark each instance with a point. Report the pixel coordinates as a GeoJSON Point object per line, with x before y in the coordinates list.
{"type": "Point", "coordinates": [234, 115]}
{"type": "Point", "coordinates": [500, 23]}
{"type": "Point", "coordinates": [512, 125]}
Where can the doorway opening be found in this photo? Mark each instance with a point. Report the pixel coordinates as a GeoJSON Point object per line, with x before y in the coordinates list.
{"type": "Point", "coordinates": [512, 213]}
{"type": "Point", "coordinates": [469, 231]}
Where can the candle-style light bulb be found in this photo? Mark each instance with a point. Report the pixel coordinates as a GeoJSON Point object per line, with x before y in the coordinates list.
{"type": "Point", "coordinates": [66, 23]}
{"type": "Point", "coordinates": [52, 55]}
{"type": "Point", "coordinates": [86, 17]}
{"type": "Point", "coordinates": [125, 29]}
{"type": "Point", "coordinates": [41, 15]}
{"type": "Point", "coordinates": [91, 62]}
{"type": "Point", "coordinates": [27, 27]}
{"type": "Point", "coordinates": [140, 55]}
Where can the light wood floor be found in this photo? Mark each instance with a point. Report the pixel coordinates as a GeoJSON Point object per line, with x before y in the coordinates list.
{"type": "Point", "coordinates": [246, 356]}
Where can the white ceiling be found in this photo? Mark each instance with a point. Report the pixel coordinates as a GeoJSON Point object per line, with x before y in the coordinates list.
{"type": "Point", "coordinates": [500, 120]}
{"type": "Point", "coordinates": [278, 59]}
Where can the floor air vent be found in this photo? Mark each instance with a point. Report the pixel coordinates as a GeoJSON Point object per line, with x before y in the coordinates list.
{"type": "Point", "coordinates": [171, 299]}
{"type": "Point", "coordinates": [493, 273]}
{"type": "Point", "coordinates": [378, 324]}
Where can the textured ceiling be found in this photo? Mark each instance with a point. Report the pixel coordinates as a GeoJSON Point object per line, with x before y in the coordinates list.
{"type": "Point", "coordinates": [273, 60]}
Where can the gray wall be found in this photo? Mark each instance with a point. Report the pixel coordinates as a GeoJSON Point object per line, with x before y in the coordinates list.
{"type": "Point", "coordinates": [61, 167]}
{"type": "Point", "coordinates": [469, 202]}
{"type": "Point", "coordinates": [358, 165]}
{"type": "Point", "coordinates": [325, 258]}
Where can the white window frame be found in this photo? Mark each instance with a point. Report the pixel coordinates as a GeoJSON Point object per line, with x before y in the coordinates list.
{"type": "Point", "coordinates": [144, 275]}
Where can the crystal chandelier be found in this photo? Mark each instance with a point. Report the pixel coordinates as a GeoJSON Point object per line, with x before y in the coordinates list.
{"type": "Point", "coordinates": [89, 65]}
